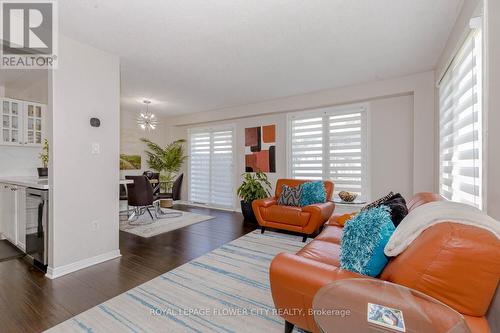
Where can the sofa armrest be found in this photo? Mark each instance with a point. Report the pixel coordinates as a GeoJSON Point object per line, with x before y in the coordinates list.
{"type": "Point", "coordinates": [294, 282]}
{"type": "Point", "coordinates": [266, 202]}
{"type": "Point", "coordinates": [320, 213]}
{"type": "Point", "coordinates": [324, 210]}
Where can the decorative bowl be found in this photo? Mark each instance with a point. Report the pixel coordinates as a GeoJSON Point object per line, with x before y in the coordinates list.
{"type": "Point", "coordinates": [347, 196]}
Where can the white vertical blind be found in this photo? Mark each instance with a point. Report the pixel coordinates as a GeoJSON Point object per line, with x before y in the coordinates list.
{"type": "Point", "coordinates": [332, 145]}
{"type": "Point", "coordinates": [460, 125]}
{"type": "Point", "coordinates": [211, 167]}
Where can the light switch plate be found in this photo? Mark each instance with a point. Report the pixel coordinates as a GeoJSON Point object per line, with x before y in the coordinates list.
{"type": "Point", "coordinates": [96, 148]}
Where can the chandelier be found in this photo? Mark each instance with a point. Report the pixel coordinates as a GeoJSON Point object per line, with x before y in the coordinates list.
{"type": "Point", "coordinates": [147, 120]}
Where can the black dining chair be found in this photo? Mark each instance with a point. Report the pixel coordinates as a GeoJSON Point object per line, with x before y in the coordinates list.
{"type": "Point", "coordinates": [154, 176]}
{"type": "Point", "coordinates": [176, 190]}
{"type": "Point", "coordinates": [141, 197]}
{"type": "Point", "coordinates": [123, 192]}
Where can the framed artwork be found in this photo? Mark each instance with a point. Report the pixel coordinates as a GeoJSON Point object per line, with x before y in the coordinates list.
{"type": "Point", "coordinates": [260, 149]}
{"type": "Point", "coordinates": [130, 162]}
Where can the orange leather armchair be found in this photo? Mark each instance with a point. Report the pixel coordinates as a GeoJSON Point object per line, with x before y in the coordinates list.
{"type": "Point", "coordinates": [305, 220]}
{"type": "Point", "coordinates": [456, 264]}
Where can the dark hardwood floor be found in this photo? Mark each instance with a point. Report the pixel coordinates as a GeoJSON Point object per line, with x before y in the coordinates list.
{"type": "Point", "coordinates": [29, 302]}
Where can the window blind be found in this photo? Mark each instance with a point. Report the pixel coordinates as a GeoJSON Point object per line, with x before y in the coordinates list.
{"type": "Point", "coordinates": [307, 148]}
{"type": "Point", "coordinates": [331, 145]}
{"type": "Point", "coordinates": [460, 125]}
{"type": "Point", "coordinates": [347, 152]}
{"type": "Point", "coordinates": [211, 167]}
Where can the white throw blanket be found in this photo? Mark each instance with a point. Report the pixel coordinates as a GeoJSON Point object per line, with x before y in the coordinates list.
{"type": "Point", "coordinates": [433, 213]}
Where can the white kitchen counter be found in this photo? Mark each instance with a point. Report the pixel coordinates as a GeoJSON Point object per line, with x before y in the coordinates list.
{"type": "Point", "coordinates": [33, 182]}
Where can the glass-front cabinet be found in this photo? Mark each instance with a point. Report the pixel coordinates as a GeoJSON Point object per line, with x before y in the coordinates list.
{"type": "Point", "coordinates": [23, 123]}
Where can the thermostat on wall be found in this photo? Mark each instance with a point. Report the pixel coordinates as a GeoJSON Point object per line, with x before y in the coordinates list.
{"type": "Point", "coordinates": [95, 122]}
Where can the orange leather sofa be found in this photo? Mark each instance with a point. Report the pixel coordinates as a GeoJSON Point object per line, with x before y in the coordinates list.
{"type": "Point", "coordinates": [305, 220]}
{"type": "Point", "coordinates": [456, 264]}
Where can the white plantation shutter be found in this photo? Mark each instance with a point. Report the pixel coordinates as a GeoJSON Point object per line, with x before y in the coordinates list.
{"type": "Point", "coordinates": [221, 169]}
{"type": "Point", "coordinates": [307, 148]}
{"type": "Point", "coordinates": [331, 144]}
{"type": "Point", "coordinates": [199, 167]}
{"type": "Point", "coordinates": [347, 152]}
{"type": "Point", "coordinates": [460, 125]}
{"type": "Point", "coordinates": [211, 167]}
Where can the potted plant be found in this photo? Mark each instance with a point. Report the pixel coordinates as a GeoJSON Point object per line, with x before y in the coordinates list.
{"type": "Point", "coordinates": [255, 186]}
{"type": "Point", "coordinates": [44, 158]}
{"type": "Point", "coordinates": [166, 161]}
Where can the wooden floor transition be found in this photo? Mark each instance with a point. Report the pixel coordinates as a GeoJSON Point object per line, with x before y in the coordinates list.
{"type": "Point", "coordinates": [29, 302]}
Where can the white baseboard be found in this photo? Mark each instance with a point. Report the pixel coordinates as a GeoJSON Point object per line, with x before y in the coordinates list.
{"type": "Point", "coordinates": [54, 273]}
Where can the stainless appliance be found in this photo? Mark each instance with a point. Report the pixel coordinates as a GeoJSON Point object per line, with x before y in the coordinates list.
{"type": "Point", "coordinates": [37, 217]}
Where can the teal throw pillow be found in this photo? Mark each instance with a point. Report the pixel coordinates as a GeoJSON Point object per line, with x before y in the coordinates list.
{"type": "Point", "coordinates": [312, 193]}
{"type": "Point", "coordinates": [364, 239]}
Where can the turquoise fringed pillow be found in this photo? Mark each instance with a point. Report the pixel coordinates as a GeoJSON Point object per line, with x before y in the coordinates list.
{"type": "Point", "coordinates": [312, 193]}
{"type": "Point", "coordinates": [364, 239]}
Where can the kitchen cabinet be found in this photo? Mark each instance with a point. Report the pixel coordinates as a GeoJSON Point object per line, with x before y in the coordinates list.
{"type": "Point", "coordinates": [22, 123]}
{"type": "Point", "coordinates": [12, 214]}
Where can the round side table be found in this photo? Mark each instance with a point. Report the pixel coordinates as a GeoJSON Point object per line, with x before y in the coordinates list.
{"type": "Point", "coordinates": [353, 305]}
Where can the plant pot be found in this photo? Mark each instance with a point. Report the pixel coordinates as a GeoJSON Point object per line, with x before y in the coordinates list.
{"type": "Point", "coordinates": [247, 211]}
{"type": "Point", "coordinates": [43, 172]}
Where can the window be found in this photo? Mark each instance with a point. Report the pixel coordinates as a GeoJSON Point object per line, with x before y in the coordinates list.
{"type": "Point", "coordinates": [330, 144]}
{"type": "Point", "coordinates": [460, 125]}
{"type": "Point", "coordinates": [211, 166]}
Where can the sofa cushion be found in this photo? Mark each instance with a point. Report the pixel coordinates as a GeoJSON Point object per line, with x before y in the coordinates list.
{"type": "Point", "coordinates": [325, 252]}
{"type": "Point", "coordinates": [423, 198]}
{"type": "Point", "coordinates": [364, 239]}
{"type": "Point", "coordinates": [397, 206]}
{"type": "Point", "coordinates": [332, 234]}
{"type": "Point", "coordinates": [342, 219]}
{"type": "Point", "coordinates": [290, 195]}
{"type": "Point", "coordinates": [285, 214]}
{"type": "Point", "coordinates": [377, 202]}
{"type": "Point", "coordinates": [294, 182]}
{"type": "Point", "coordinates": [312, 193]}
{"type": "Point", "coordinates": [455, 263]}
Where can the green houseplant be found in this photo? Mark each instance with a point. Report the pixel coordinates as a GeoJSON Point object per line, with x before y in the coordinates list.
{"type": "Point", "coordinates": [44, 158]}
{"type": "Point", "coordinates": [254, 186]}
{"type": "Point", "coordinates": [167, 161]}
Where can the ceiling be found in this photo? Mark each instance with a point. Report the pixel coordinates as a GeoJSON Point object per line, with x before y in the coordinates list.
{"type": "Point", "coordinates": [197, 55]}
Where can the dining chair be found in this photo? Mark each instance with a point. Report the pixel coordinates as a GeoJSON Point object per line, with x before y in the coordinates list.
{"type": "Point", "coordinates": [176, 190]}
{"type": "Point", "coordinates": [142, 198]}
{"type": "Point", "coordinates": [154, 176]}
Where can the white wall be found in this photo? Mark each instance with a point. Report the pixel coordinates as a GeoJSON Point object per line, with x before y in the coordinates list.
{"type": "Point", "coordinates": [84, 186]}
{"type": "Point", "coordinates": [493, 109]}
{"type": "Point", "coordinates": [23, 161]}
{"type": "Point", "coordinates": [421, 85]}
{"type": "Point", "coordinates": [34, 91]}
{"type": "Point", "coordinates": [391, 145]}
{"type": "Point", "coordinates": [19, 161]}
{"type": "Point", "coordinates": [131, 133]}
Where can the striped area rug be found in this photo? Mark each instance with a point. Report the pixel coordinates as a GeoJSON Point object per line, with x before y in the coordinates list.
{"type": "Point", "coordinates": [226, 290]}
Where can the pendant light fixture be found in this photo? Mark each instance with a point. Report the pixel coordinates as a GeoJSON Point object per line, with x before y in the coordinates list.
{"type": "Point", "coordinates": [147, 120]}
